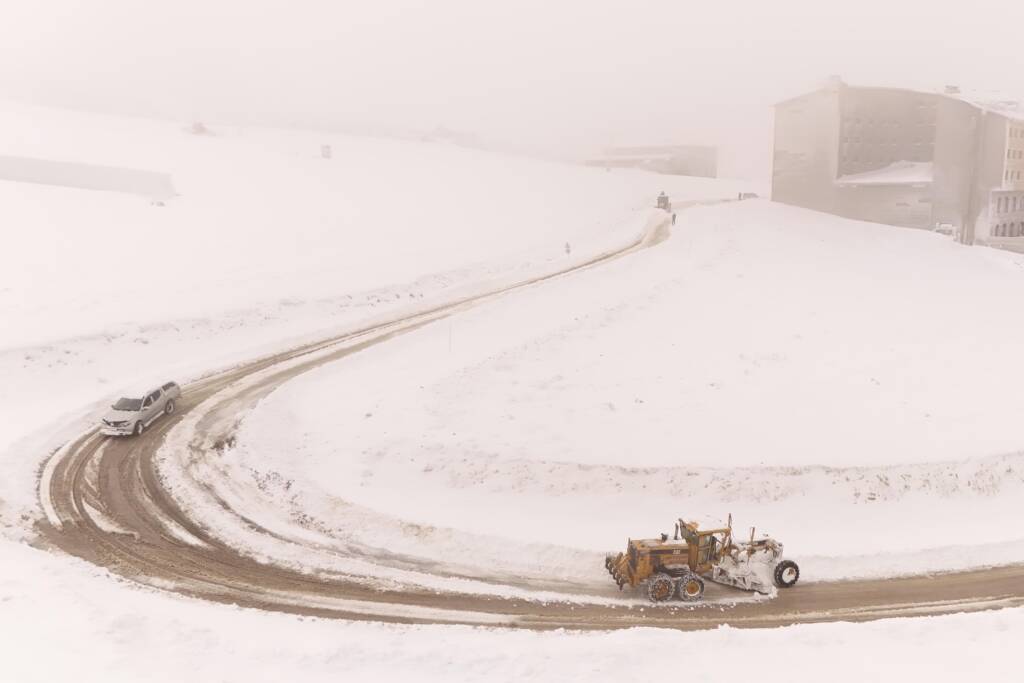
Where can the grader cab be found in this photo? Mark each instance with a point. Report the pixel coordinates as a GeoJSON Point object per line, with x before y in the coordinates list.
{"type": "Point", "coordinates": [678, 567]}
{"type": "Point", "coordinates": [663, 203]}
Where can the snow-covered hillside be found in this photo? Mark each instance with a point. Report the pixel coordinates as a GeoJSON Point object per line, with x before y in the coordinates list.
{"type": "Point", "coordinates": [266, 244]}
{"type": "Point", "coordinates": [261, 218]}
{"type": "Point", "coordinates": [819, 378]}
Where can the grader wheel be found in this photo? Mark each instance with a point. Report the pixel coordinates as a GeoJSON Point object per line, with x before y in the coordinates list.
{"type": "Point", "coordinates": [690, 588]}
{"type": "Point", "coordinates": [660, 588]}
{"type": "Point", "coordinates": [787, 573]}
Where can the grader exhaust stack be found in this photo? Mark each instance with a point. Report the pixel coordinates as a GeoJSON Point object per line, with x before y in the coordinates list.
{"type": "Point", "coordinates": [678, 567]}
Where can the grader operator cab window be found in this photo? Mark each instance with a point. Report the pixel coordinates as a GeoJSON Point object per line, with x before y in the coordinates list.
{"type": "Point", "coordinates": [706, 549]}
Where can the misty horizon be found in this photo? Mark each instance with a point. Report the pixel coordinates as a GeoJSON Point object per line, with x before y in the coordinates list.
{"type": "Point", "coordinates": [561, 80]}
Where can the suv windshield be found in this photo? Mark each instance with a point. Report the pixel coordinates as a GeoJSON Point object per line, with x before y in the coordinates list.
{"type": "Point", "coordinates": [128, 404]}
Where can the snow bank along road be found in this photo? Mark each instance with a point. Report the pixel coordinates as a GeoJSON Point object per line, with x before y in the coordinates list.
{"type": "Point", "coordinates": [105, 503]}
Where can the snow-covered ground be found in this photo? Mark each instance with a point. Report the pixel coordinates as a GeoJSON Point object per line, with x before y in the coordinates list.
{"type": "Point", "coordinates": [260, 218]}
{"type": "Point", "coordinates": [267, 244]}
{"type": "Point", "coordinates": [849, 388]}
{"type": "Point", "coordinates": [61, 620]}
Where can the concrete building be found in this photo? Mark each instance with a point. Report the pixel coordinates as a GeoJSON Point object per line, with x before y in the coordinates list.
{"type": "Point", "coordinates": [691, 160]}
{"type": "Point", "coordinates": [933, 160]}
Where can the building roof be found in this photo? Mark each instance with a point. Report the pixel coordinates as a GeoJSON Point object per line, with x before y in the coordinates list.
{"type": "Point", "coordinates": [1011, 109]}
{"type": "Point", "coordinates": [622, 156]}
{"type": "Point", "coordinates": [897, 173]}
{"type": "Point", "coordinates": [654, 153]}
{"type": "Point", "coordinates": [994, 102]}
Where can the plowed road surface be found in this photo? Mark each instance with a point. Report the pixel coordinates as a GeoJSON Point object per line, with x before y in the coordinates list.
{"type": "Point", "coordinates": [105, 504]}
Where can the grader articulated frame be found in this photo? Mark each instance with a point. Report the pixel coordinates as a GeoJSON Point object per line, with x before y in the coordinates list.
{"type": "Point", "coordinates": [678, 567]}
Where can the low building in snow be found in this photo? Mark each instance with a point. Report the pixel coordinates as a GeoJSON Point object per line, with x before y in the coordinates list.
{"type": "Point", "coordinates": [935, 160]}
{"type": "Point", "coordinates": [690, 160]}
{"type": "Point", "coordinates": [154, 185]}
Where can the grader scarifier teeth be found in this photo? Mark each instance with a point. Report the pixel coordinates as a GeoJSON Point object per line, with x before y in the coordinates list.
{"type": "Point", "coordinates": [612, 564]}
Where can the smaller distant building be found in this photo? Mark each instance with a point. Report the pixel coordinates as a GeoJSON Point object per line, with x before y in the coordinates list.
{"type": "Point", "coordinates": [153, 185]}
{"type": "Point", "coordinates": [453, 137]}
{"type": "Point", "coordinates": [691, 160]}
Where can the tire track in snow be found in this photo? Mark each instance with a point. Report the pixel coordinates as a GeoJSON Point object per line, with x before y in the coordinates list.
{"type": "Point", "coordinates": [142, 533]}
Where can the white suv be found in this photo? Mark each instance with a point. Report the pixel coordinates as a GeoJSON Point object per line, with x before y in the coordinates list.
{"type": "Point", "coordinates": [133, 415]}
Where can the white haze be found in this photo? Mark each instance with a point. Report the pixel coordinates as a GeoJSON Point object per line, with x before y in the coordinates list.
{"type": "Point", "coordinates": [547, 78]}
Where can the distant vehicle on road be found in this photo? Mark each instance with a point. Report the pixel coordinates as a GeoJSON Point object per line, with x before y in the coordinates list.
{"type": "Point", "coordinates": [133, 415]}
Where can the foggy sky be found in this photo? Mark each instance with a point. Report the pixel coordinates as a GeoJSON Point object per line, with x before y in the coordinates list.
{"type": "Point", "coordinates": [555, 78]}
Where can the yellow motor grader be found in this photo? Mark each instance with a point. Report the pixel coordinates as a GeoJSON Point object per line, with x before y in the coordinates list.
{"type": "Point", "coordinates": [678, 567]}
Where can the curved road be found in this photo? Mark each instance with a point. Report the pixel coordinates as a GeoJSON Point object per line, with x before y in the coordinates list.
{"type": "Point", "coordinates": [105, 504]}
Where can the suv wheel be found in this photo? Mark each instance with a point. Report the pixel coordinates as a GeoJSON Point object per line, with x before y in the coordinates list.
{"type": "Point", "coordinates": [139, 428]}
{"type": "Point", "coordinates": [169, 408]}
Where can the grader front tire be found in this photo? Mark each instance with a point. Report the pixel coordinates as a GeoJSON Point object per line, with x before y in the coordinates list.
{"type": "Point", "coordinates": [660, 588]}
{"type": "Point", "coordinates": [787, 573]}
